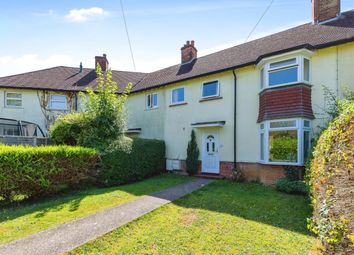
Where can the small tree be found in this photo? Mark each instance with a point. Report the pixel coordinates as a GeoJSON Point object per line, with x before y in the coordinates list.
{"type": "Point", "coordinates": [102, 120]}
{"type": "Point", "coordinates": [192, 155]}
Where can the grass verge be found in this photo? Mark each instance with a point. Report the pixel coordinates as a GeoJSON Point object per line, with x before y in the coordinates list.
{"type": "Point", "coordinates": [29, 218]}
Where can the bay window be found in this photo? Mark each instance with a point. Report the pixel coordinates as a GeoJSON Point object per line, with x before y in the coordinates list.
{"type": "Point", "coordinates": [285, 142]}
{"type": "Point", "coordinates": [285, 72]}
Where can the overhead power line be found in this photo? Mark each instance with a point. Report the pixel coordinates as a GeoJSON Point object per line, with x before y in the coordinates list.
{"type": "Point", "coordinates": [260, 19]}
{"type": "Point", "coordinates": [127, 32]}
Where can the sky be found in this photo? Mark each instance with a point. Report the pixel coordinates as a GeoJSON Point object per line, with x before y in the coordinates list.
{"type": "Point", "coordinates": [38, 34]}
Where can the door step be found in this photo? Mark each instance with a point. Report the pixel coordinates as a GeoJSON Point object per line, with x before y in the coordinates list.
{"type": "Point", "coordinates": [210, 176]}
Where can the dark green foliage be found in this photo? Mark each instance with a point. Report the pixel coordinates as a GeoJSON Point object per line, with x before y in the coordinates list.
{"type": "Point", "coordinates": [129, 160]}
{"type": "Point", "coordinates": [292, 173]}
{"type": "Point", "coordinates": [37, 171]}
{"type": "Point", "coordinates": [192, 161]}
{"type": "Point", "coordinates": [292, 182]}
{"type": "Point", "coordinates": [291, 187]}
{"type": "Point", "coordinates": [70, 129]}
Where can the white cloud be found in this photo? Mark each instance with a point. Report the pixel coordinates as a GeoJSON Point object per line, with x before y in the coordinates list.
{"type": "Point", "coordinates": [31, 62]}
{"type": "Point", "coordinates": [83, 15]}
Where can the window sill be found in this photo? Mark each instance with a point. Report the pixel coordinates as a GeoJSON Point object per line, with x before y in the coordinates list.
{"type": "Point", "coordinates": [210, 98]}
{"type": "Point", "coordinates": [178, 104]}
{"type": "Point", "coordinates": [280, 163]}
{"type": "Point", "coordinates": [13, 107]}
{"type": "Point", "coordinates": [58, 110]}
{"type": "Point", "coordinates": [151, 109]}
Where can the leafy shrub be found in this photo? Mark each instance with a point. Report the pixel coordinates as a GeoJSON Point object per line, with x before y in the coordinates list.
{"type": "Point", "coordinates": [331, 178]}
{"type": "Point", "coordinates": [37, 171]}
{"type": "Point", "coordinates": [192, 161]}
{"type": "Point", "coordinates": [102, 120]}
{"type": "Point", "coordinates": [70, 129]}
{"type": "Point", "coordinates": [128, 160]}
{"type": "Point", "coordinates": [291, 187]}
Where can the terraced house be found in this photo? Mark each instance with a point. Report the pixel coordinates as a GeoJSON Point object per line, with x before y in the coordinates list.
{"type": "Point", "coordinates": [255, 106]}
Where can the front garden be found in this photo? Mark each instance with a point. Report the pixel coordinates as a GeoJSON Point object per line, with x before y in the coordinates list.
{"type": "Point", "coordinates": [222, 218]}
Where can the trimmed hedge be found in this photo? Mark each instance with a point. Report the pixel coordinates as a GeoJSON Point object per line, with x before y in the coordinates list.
{"type": "Point", "coordinates": [331, 178]}
{"type": "Point", "coordinates": [37, 171]}
{"type": "Point", "coordinates": [130, 160]}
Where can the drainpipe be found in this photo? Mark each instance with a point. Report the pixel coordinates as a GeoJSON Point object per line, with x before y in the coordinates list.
{"type": "Point", "coordinates": [235, 115]}
{"type": "Point", "coordinates": [76, 102]}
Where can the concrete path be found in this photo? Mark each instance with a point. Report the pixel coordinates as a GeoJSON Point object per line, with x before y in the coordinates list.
{"type": "Point", "coordinates": [70, 235]}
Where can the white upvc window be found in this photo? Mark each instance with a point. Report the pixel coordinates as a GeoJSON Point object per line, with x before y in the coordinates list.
{"type": "Point", "coordinates": [287, 71]}
{"type": "Point", "coordinates": [13, 100]}
{"type": "Point", "coordinates": [177, 96]}
{"type": "Point", "coordinates": [151, 101]}
{"type": "Point", "coordinates": [210, 89]}
{"type": "Point", "coordinates": [57, 102]}
{"type": "Point", "coordinates": [285, 142]}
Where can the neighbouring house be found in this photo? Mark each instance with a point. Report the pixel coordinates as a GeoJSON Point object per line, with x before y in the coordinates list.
{"type": "Point", "coordinates": [255, 106]}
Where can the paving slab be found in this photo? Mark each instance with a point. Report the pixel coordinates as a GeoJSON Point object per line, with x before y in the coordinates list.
{"type": "Point", "coordinates": [72, 234]}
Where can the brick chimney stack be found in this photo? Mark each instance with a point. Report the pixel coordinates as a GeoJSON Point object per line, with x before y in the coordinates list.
{"type": "Point", "coordinates": [102, 61]}
{"type": "Point", "coordinates": [188, 52]}
{"type": "Point", "coordinates": [325, 10]}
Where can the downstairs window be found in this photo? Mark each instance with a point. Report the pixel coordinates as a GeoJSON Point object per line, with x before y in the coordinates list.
{"type": "Point", "coordinates": [285, 142]}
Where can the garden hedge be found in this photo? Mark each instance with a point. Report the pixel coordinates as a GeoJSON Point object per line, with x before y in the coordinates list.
{"type": "Point", "coordinates": [332, 185]}
{"type": "Point", "coordinates": [37, 171]}
{"type": "Point", "coordinates": [130, 160]}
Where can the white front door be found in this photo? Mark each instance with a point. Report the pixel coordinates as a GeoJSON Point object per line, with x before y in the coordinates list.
{"type": "Point", "coordinates": [210, 153]}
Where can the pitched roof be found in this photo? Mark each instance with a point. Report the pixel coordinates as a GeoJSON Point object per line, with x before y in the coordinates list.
{"type": "Point", "coordinates": [305, 36]}
{"type": "Point", "coordinates": [64, 78]}
{"type": "Point", "coordinates": [308, 35]}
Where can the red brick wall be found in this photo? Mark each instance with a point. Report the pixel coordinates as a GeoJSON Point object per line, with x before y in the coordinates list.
{"type": "Point", "coordinates": [285, 102]}
{"type": "Point", "coordinates": [323, 10]}
{"type": "Point", "coordinates": [266, 174]}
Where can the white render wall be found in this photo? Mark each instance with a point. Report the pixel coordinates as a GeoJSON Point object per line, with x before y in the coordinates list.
{"type": "Point", "coordinates": [172, 124]}
{"type": "Point", "coordinates": [30, 110]}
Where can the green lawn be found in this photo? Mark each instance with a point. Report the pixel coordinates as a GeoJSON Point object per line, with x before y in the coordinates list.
{"type": "Point", "coordinates": [222, 218]}
{"type": "Point", "coordinates": [30, 218]}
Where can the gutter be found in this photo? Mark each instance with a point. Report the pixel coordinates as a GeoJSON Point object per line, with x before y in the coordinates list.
{"type": "Point", "coordinates": [235, 118]}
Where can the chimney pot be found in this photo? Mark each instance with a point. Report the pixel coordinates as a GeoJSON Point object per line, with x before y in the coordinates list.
{"type": "Point", "coordinates": [188, 52]}
{"type": "Point", "coordinates": [325, 10]}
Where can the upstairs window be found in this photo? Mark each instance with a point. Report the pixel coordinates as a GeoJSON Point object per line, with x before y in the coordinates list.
{"type": "Point", "coordinates": [58, 102]}
{"type": "Point", "coordinates": [177, 96]}
{"type": "Point", "coordinates": [285, 72]}
{"type": "Point", "coordinates": [210, 89]}
{"type": "Point", "coordinates": [151, 101]}
{"type": "Point", "coordinates": [13, 100]}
